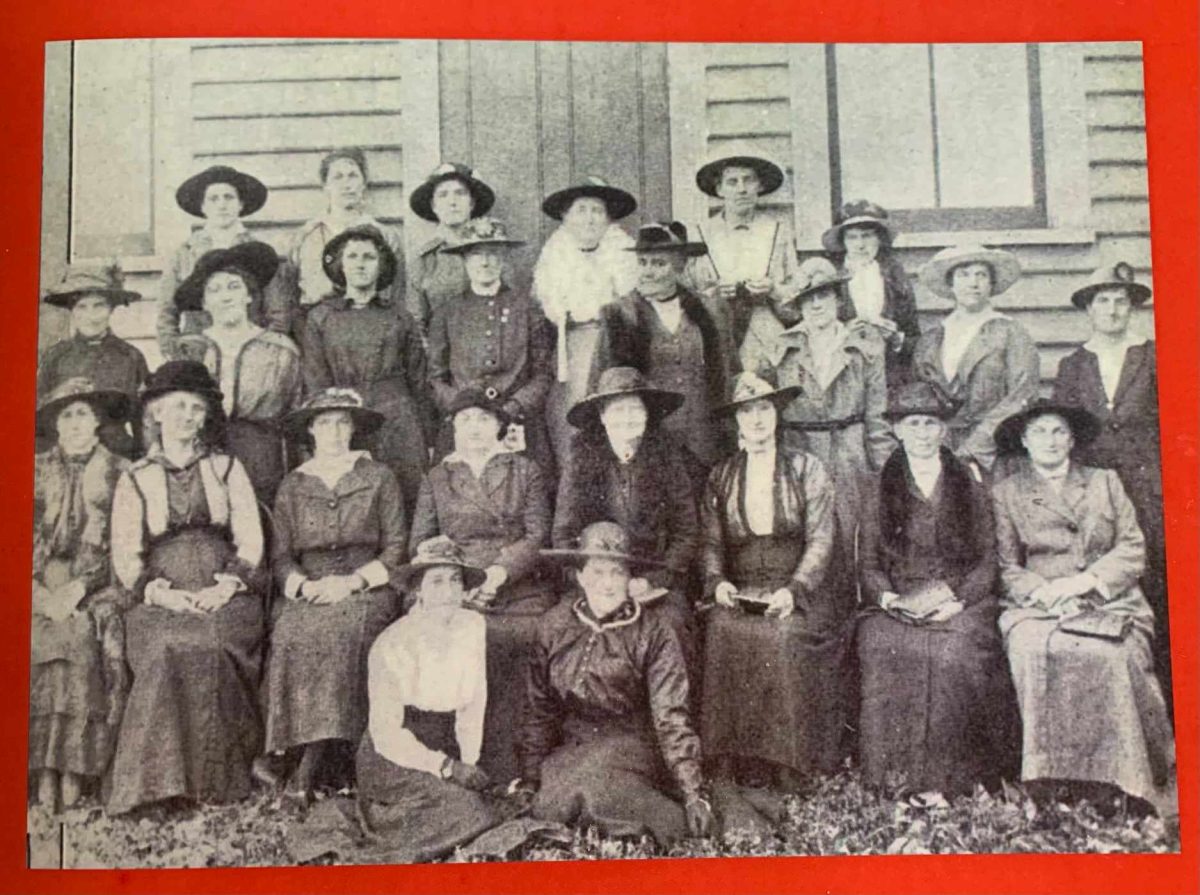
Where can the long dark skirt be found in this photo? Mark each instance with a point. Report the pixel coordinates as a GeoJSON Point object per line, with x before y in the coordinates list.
{"type": "Point", "coordinates": [936, 702]}
{"type": "Point", "coordinates": [77, 688]}
{"type": "Point", "coordinates": [316, 687]}
{"type": "Point", "coordinates": [259, 447]}
{"type": "Point", "coordinates": [511, 634]}
{"type": "Point", "coordinates": [613, 779]}
{"type": "Point", "coordinates": [773, 690]}
{"type": "Point", "coordinates": [191, 726]}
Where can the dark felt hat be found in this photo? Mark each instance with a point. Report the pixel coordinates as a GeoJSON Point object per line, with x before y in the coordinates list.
{"type": "Point", "coordinates": [1112, 276]}
{"type": "Point", "coordinates": [602, 540]}
{"type": "Point", "coordinates": [482, 195]}
{"type": "Point", "coordinates": [923, 398]}
{"type": "Point", "coordinates": [1084, 425]}
{"type": "Point", "coordinates": [295, 424]}
{"type": "Point", "coordinates": [770, 174]}
{"type": "Point", "coordinates": [615, 382]}
{"type": "Point", "coordinates": [748, 387]}
{"type": "Point", "coordinates": [666, 236]}
{"type": "Point", "coordinates": [619, 203]}
{"type": "Point", "coordinates": [80, 280]}
{"type": "Point", "coordinates": [484, 398]}
{"type": "Point", "coordinates": [190, 195]}
{"type": "Point", "coordinates": [254, 258]}
{"type": "Point", "coordinates": [331, 261]}
{"type": "Point", "coordinates": [434, 552]}
{"type": "Point", "coordinates": [108, 403]}
{"type": "Point", "coordinates": [858, 213]}
{"type": "Point", "coordinates": [182, 376]}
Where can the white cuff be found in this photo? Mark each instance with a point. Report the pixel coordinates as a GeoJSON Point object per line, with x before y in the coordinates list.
{"type": "Point", "coordinates": [291, 587]}
{"type": "Point", "coordinates": [374, 573]}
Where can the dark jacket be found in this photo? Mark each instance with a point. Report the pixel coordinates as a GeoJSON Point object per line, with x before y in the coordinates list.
{"type": "Point", "coordinates": [899, 306]}
{"type": "Point", "coordinates": [437, 277]}
{"type": "Point", "coordinates": [1129, 438]}
{"type": "Point", "coordinates": [501, 518]}
{"type": "Point", "coordinates": [626, 673]}
{"type": "Point", "coordinates": [907, 540]}
{"type": "Point", "coordinates": [651, 497]}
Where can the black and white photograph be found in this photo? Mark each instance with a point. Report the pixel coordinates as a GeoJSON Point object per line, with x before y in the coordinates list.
{"type": "Point", "coordinates": [465, 450]}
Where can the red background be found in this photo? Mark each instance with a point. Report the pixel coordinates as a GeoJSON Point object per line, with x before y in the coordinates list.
{"type": "Point", "coordinates": [1168, 29]}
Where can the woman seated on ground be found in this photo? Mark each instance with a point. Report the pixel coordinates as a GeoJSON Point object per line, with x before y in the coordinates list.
{"type": "Point", "coordinates": [78, 677]}
{"type": "Point", "coordinates": [339, 538]}
{"type": "Point", "coordinates": [1076, 626]}
{"type": "Point", "coordinates": [936, 703]}
{"type": "Point", "coordinates": [608, 739]}
{"type": "Point", "coordinates": [493, 504]}
{"type": "Point", "coordinates": [773, 681]}
{"type": "Point", "coordinates": [187, 544]}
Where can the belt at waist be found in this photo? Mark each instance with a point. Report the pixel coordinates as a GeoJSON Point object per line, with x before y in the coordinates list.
{"type": "Point", "coordinates": [824, 425]}
{"type": "Point", "coordinates": [319, 562]}
{"type": "Point", "coordinates": [577, 729]}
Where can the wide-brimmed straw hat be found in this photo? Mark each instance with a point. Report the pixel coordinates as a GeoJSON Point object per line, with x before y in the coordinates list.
{"type": "Point", "coordinates": [770, 174]}
{"type": "Point", "coordinates": [748, 387]}
{"type": "Point", "coordinates": [331, 260]}
{"type": "Point", "coordinates": [80, 280]}
{"type": "Point", "coordinates": [366, 421]}
{"type": "Point", "coordinates": [922, 398]}
{"type": "Point", "coordinates": [1084, 425]}
{"type": "Point", "coordinates": [935, 275]}
{"type": "Point", "coordinates": [1112, 276]}
{"type": "Point", "coordinates": [666, 236]}
{"type": "Point", "coordinates": [616, 382]}
{"type": "Point", "coordinates": [484, 398]}
{"type": "Point", "coordinates": [255, 258]}
{"type": "Point", "coordinates": [107, 403]}
{"type": "Point", "coordinates": [435, 552]}
{"type": "Point", "coordinates": [619, 203]}
{"type": "Point", "coordinates": [602, 540]}
{"type": "Point", "coordinates": [858, 213]}
{"type": "Point", "coordinates": [482, 195]}
{"type": "Point", "coordinates": [190, 195]}
{"type": "Point", "coordinates": [482, 232]}
{"type": "Point", "coordinates": [815, 274]}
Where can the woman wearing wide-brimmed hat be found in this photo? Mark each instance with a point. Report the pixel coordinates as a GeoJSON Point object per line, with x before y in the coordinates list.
{"type": "Point", "coordinates": [665, 331]}
{"type": "Point", "coordinates": [838, 413]}
{"type": "Point", "coordinates": [747, 277]}
{"type": "Point", "coordinates": [878, 291]}
{"type": "Point", "coordinates": [493, 337]}
{"type": "Point", "coordinates": [187, 547]}
{"type": "Point", "coordinates": [982, 359]}
{"type": "Point", "coordinates": [936, 704]}
{"type": "Point", "coordinates": [1114, 376]}
{"type": "Point", "coordinates": [93, 351]}
{"type": "Point", "coordinates": [258, 370]}
{"type": "Point", "coordinates": [221, 197]}
{"type": "Point", "coordinates": [1076, 625]}
{"type": "Point", "coordinates": [494, 504]}
{"type": "Point", "coordinates": [339, 541]}
{"type": "Point", "coordinates": [345, 181]}
{"type": "Point", "coordinates": [609, 738]}
{"type": "Point", "coordinates": [77, 676]}
{"type": "Point", "coordinates": [582, 267]}
{"type": "Point", "coordinates": [774, 668]}
{"type": "Point", "coordinates": [449, 197]}
{"type": "Point", "coordinates": [359, 338]}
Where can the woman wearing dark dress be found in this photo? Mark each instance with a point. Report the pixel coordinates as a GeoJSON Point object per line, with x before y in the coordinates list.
{"type": "Point", "coordinates": [1114, 376]}
{"type": "Point", "coordinates": [339, 538]}
{"type": "Point", "coordinates": [493, 504]}
{"type": "Point", "coordinates": [609, 738]}
{"type": "Point", "coordinates": [878, 290]}
{"type": "Point", "coordinates": [77, 676]}
{"type": "Point", "coordinates": [187, 545]}
{"type": "Point", "coordinates": [357, 339]}
{"type": "Point", "coordinates": [495, 338]}
{"type": "Point", "coordinates": [449, 197]}
{"type": "Point", "coordinates": [257, 370]}
{"type": "Point", "coordinates": [936, 703]}
{"type": "Point", "coordinates": [774, 683]}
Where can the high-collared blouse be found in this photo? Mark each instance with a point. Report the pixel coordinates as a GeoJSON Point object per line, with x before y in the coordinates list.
{"type": "Point", "coordinates": [155, 497]}
{"type": "Point", "coordinates": [500, 518]}
{"type": "Point", "coordinates": [261, 382]}
{"type": "Point", "coordinates": [624, 672]}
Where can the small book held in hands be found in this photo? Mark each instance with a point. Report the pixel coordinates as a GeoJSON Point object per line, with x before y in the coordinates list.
{"type": "Point", "coordinates": [923, 602]}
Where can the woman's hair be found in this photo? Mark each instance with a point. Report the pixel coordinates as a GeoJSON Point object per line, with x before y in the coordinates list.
{"type": "Point", "coordinates": [353, 153]}
{"type": "Point", "coordinates": [990, 269]}
{"type": "Point", "coordinates": [255, 311]}
{"type": "Point", "coordinates": [885, 238]}
{"type": "Point", "coordinates": [387, 258]}
{"type": "Point", "coordinates": [305, 439]}
{"type": "Point", "coordinates": [212, 433]}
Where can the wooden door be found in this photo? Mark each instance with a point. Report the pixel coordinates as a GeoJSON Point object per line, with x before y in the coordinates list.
{"type": "Point", "coordinates": [531, 117]}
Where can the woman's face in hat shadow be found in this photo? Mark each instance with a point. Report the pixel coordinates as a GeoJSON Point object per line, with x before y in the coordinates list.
{"type": "Point", "coordinates": [586, 220]}
{"type": "Point", "coordinates": [332, 433]}
{"type": "Point", "coordinates": [1109, 310]}
{"type": "Point", "coordinates": [180, 415]}
{"type": "Point", "coordinates": [451, 202]}
{"type": "Point", "coordinates": [76, 425]}
{"type": "Point", "coordinates": [1048, 439]}
{"type": "Point", "coordinates": [972, 285]}
{"type": "Point", "coordinates": [624, 418]}
{"type": "Point", "coordinates": [90, 315]}
{"type": "Point", "coordinates": [227, 298]}
{"type": "Point", "coordinates": [920, 434]}
{"type": "Point", "coordinates": [861, 244]}
{"type": "Point", "coordinates": [360, 263]}
{"type": "Point", "coordinates": [221, 205]}
{"type": "Point", "coordinates": [442, 589]}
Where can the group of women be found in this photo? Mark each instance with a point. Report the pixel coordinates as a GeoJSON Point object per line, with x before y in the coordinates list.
{"type": "Point", "coordinates": [528, 550]}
